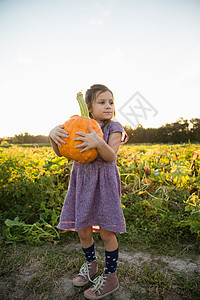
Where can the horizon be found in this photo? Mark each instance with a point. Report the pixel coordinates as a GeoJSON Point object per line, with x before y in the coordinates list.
{"type": "Point", "coordinates": [126, 125]}
{"type": "Point", "coordinates": [146, 52]}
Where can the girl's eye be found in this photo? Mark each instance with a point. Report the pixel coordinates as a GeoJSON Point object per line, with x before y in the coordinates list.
{"type": "Point", "coordinates": [102, 102]}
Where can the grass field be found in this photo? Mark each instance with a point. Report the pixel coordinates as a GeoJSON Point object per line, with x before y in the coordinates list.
{"type": "Point", "coordinates": [160, 253]}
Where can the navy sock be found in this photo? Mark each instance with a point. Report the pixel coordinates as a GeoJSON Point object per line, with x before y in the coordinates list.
{"type": "Point", "coordinates": [111, 258]}
{"type": "Point", "coordinates": [89, 253]}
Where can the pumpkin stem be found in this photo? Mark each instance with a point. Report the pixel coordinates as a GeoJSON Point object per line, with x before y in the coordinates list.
{"type": "Point", "coordinates": [83, 106]}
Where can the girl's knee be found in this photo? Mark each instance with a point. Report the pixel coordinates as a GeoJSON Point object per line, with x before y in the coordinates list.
{"type": "Point", "coordinates": [106, 235]}
{"type": "Point", "coordinates": [85, 233]}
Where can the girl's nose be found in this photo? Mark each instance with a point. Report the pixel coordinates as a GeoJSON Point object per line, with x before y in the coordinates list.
{"type": "Point", "coordinates": [108, 105]}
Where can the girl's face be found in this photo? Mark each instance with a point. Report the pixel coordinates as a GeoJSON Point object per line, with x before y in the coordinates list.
{"type": "Point", "coordinates": [103, 107]}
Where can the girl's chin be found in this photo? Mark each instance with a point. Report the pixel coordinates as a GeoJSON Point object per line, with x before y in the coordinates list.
{"type": "Point", "coordinates": [106, 119]}
{"type": "Point", "coordinates": [107, 116]}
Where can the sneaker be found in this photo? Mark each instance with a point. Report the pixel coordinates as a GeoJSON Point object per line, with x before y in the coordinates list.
{"type": "Point", "coordinates": [104, 285]}
{"type": "Point", "coordinates": [86, 273]}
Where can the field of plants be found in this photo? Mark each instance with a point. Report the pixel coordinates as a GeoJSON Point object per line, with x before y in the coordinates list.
{"type": "Point", "coordinates": [159, 255]}
{"type": "Point", "coordinates": [160, 193]}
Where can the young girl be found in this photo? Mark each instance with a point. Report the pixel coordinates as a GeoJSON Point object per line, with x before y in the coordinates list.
{"type": "Point", "coordinates": [93, 201]}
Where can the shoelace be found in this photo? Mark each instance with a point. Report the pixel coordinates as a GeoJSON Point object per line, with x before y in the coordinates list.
{"type": "Point", "coordinates": [98, 282]}
{"type": "Point", "coordinates": [84, 271]}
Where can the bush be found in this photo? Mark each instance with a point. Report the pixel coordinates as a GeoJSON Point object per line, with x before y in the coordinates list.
{"type": "Point", "coordinates": [34, 182]}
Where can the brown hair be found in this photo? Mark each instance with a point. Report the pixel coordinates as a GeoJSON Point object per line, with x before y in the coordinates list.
{"type": "Point", "coordinates": [90, 97]}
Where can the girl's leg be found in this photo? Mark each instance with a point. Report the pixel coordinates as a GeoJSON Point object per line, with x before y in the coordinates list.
{"type": "Point", "coordinates": [87, 243]}
{"type": "Point", "coordinates": [109, 238]}
{"type": "Point", "coordinates": [108, 284]}
{"type": "Point", "coordinates": [111, 250]}
{"type": "Point", "coordinates": [85, 236]}
{"type": "Point", "coordinates": [90, 268]}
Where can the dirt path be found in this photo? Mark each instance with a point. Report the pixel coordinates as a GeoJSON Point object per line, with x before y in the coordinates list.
{"type": "Point", "coordinates": [18, 286]}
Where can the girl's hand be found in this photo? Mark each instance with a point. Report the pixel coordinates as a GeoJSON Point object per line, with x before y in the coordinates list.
{"type": "Point", "coordinates": [56, 133]}
{"type": "Point", "coordinates": [90, 140]}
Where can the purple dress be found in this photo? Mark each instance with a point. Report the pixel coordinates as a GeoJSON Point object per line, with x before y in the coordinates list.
{"type": "Point", "coordinates": [94, 194]}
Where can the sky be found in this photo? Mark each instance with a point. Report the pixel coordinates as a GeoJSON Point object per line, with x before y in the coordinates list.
{"type": "Point", "coordinates": [146, 51]}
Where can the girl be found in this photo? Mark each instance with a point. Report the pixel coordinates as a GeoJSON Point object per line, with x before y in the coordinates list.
{"type": "Point", "coordinates": [93, 201]}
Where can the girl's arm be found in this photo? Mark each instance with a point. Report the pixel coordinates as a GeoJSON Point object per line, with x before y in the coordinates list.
{"type": "Point", "coordinates": [55, 147]}
{"type": "Point", "coordinates": [109, 151]}
{"type": "Point", "coordinates": [55, 138]}
{"type": "Point", "coordinates": [90, 141]}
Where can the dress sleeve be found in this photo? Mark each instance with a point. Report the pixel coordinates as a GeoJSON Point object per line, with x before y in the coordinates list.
{"type": "Point", "coordinates": [117, 127]}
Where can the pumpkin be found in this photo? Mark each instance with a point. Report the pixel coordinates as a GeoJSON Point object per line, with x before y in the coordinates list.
{"type": "Point", "coordinates": [146, 181]}
{"type": "Point", "coordinates": [147, 170]}
{"type": "Point", "coordinates": [79, 123]}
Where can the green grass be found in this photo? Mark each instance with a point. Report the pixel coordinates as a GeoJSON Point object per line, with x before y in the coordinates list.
{"type": "Point", "coordinates": [40, 269]}
{"type": "Point", "coordinates": [27, 145]}
{"type": "Point", "coordinates": [161, 218]}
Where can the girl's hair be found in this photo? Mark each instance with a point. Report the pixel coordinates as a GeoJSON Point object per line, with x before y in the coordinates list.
{"type": "Point", "coordinates": [90, 97]}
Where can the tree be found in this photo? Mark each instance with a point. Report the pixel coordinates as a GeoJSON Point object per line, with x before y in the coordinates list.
{"type": "Point", "coordinates": [195, 130]}
{"type": "Point", "coordinates": [18, 139]}
{"type": "Point", "coordinates": [178, 132]}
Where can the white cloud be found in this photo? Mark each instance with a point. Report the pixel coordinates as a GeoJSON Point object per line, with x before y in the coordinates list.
{"type": "Point", "coordinates": [96, 21]}
{"type": "Point", "coordinates": [24, 60]}
{"type": "Point", "coordinates": [103, 9]}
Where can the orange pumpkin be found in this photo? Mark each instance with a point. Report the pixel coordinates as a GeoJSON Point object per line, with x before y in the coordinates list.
{"type": "Point", "coordinates": [77, 123]}
{"type": "Point", "coordinates": [146, 181]}
{"type": "Point", "coordinates": [147, 170]}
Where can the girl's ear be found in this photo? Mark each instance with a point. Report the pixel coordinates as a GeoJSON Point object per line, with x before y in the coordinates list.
{"type": "Point", "coordinates": [90, 112]}
{"type": "Point", "coordinates": [114, 112]}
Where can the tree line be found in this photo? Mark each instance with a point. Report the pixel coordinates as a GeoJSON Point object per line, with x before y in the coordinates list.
{"type": "Point", "coordinates": [180, 131]}
{"type": "Point", "coordinates": [26, 138]}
